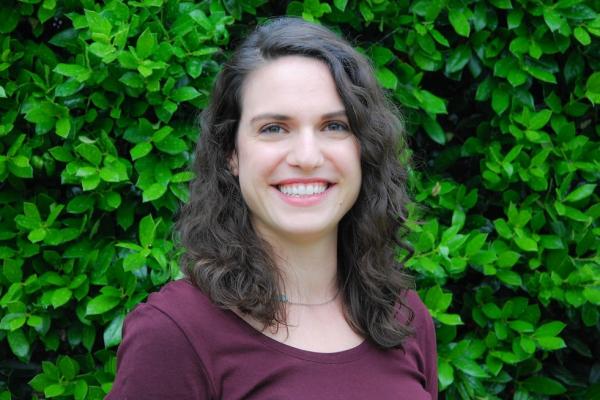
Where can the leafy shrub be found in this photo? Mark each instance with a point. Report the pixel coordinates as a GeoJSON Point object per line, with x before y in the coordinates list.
{"type": "Point", "coordinates": [97, 108]}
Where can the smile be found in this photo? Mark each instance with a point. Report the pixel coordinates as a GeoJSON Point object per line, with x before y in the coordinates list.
{"type": "Point", "coordinates": [301, 189]}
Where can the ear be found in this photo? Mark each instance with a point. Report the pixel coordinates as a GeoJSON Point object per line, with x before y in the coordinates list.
{"type": "Point", "coordinates": [233, 163]}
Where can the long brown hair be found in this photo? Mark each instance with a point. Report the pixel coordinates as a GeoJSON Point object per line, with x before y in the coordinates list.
{"type": "Point", "coordinates": [226, 258]}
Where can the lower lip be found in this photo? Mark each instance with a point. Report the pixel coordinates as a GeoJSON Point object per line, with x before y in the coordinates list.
{"type": "Point", "coordinates": [304, 201]}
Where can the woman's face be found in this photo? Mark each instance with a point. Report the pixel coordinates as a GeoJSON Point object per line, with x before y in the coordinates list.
{"type": "Point", "coordinates": [297, 161]}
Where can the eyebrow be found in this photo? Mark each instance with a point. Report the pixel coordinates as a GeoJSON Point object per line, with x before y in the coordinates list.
{"type": "Point", "coordinates": [283, 117]}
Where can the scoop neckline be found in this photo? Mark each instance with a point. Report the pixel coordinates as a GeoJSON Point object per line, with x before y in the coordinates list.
{"type": "Point", "coordinates": [337, 357]}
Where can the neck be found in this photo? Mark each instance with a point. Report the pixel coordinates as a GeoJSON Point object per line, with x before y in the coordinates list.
{"type": "Point", "coordinates": [308, 268]}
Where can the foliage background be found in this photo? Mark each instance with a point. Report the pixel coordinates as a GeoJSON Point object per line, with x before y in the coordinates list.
{"type": "Point", "coordinates": [97, 108]}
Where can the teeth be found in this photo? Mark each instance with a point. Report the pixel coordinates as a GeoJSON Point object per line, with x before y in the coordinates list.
{"type": "Point", "coordinates": [299, 189]}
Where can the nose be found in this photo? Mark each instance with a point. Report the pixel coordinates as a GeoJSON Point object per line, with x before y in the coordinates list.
{"type": "Point", "coordinates": [305, 152]}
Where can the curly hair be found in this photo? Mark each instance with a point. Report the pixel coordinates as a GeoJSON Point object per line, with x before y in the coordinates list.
{"type": "Point", "coordinates": [231, 263]}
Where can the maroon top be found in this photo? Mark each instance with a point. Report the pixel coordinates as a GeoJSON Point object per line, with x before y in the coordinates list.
{"type": "Point", "coordinates": [179, 345]}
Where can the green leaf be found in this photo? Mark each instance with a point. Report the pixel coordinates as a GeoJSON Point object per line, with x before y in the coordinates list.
{"type": "Point", "coordinates": [68, 367]}
{"type": "Point", "coordinates": [18, 343]}
{"type": "Point", "coordinates": [446, 373]}
{"type": "Point", "coordinates": [526, 243]}
{"type": "Point", "coordinates": [37, 235]}
{"type": "Point", "coordinates": [140, 150]}
{"type": "Point", "coordinates": [78, 72]}
{"type": "Point", "coordinates": [491, 310]}
{"type": "Point", "coordinates": [502, 4]}
{"type": "Point", "coordinates": [98, 23]}
{"type": "Point", "coordinates": [134, 261]}
{"type": "Point", "coordinates": [63, 127]}
{"type": "Point", "coordinates": [146, 231]}
{"type": "Point", "coordinates": [592, 87]}
{"type": "Point", "coordinates": [10, 17]}
{"type": "Point", "coordinates": [103, 50]}
{"type": "Point", "coordinates": [521, 326]}
{"type": "Point", "coordinates": [194, 67]}
{"type": "Point", "coordinates": [113, 199]}
{"type": "Point", "coordinates": [13, 321]}
{"type": "Point", "coordinates": [430, 102]}
{"type": "Point", "coordinates": [550, 343]}
{"type": "Point", "coordinates": [543, 385]}
{"type": "Point", "coordinates": [112, 333]}
{"type": "Point", "coordinates": [459, 22]}
{"type": "Point", "coordinates": [582, 36]}
{"type": "Point", "coordinates": [552, 18]}
{"type": "Point", "coordinates": [386, 78]}
{"type": "Point", "coordinates": [171, 145]}
{"type": "Point", "coordinates": [500, 100]}
{"type": "Point", "coordinates": [155, 191]}
{"type": "Point", "coordinates": [550, 329]}
{"type": "Point", "coordinates": [90, 153]}
{"type": "Point", "coordinates": [539, 120]}
{"type": "Point", "coordinates": [146, 43]}
{"type": "Point", "coordinates": [184, 176]}
{"type": "Point", "coordinates": [340, 4]}
{"type": "Point", "coordinates": [434, 130]}
{"type": "Point", "coordinates": [101, 304]}
{"type": "Point", "coordinates": [132, 79]}
{"type": "Point", "coordinates": [527, 345]}
{"type": "Point", "coordinates": [470, 367]}
{"type": "Point", "coordinates": [592, 294]}
{"type": "Point", "coordinates": [80, 204]}
{"type": "Point", "coordinates": [80, 390]}
{"type": "Point", "coordinates": [540, 74]}
{"type": "Point", "coordinates": [458, 58]}
{"type": "Point", "coordinates": [184, 93]}
{"type": "Point", "coordinates": [60, 297]}
{"type": "Point", "coordinates": [449, 319]}
{"type": "Point", "coordinates": [54, 390]}
{"type": "Point", "coordinates": [514, 18]}
{"type": "Point", "coordinates": [381, 55]}
{"type": "Point", "coordinates": [508, 258]}
{"type": "Point", "coordinates": [511, 278]}
{"type": "Point", "coordinates": [582, 192]}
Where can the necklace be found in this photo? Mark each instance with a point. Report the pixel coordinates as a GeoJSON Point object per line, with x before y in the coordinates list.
{"type": "Point", "coordinates": [283, 299]}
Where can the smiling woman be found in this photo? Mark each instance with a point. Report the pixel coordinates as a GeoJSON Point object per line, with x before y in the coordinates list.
{"type": "Point", "coordinates": [292, 290]}
{"type": "Point", "coordinates": [292, 142]}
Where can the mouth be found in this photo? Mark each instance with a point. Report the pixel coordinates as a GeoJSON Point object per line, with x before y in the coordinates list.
{"type": "Point", "coordinates": [303, 189]}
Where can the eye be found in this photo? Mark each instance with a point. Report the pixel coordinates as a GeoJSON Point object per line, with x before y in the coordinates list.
{"type": "Point", "coordinates": [271, 129]}
{"type": "Point", "coordinates": [337, 126]}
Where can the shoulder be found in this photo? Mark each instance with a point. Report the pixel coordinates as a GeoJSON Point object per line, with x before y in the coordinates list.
{"type": "Point", "coordinates": [176, 294]}
{"type": "Point", "coordinates": [413, 311]}
{"type": "Point", "coordinates": [422, 316]}
{"type": "Point", "coordinates": [423, 343]}
{"type": "Point", "coordinates": [156, 358]}
{"type": "Point", "coordinates": [166, 309]}
{"type": "Point", "coordinates": [415, 314]}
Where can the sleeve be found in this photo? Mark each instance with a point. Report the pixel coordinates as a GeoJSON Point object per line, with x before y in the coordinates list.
{"type": "Point", "coordinates": [426, 340]}
{"type": "Point", "coordinates": [156, 361]}
{"type": "Point", "coordinates": [429, 346]}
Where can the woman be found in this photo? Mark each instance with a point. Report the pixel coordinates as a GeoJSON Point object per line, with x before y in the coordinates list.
{"type": "Point", "coordinates": [292, 291]}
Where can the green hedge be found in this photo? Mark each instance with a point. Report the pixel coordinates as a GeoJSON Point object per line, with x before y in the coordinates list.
{"type": "Point", "coordinates": [97, 125]}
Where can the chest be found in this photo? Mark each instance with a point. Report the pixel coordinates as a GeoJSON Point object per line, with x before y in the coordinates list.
{"type": "Point", "coordinates": [368, 376]}
{"type": "Point", "coordinates": [323, 331]}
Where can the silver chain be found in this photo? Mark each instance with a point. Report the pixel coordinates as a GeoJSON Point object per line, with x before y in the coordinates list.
{"type": "Point", "coordinates": [283, 298]}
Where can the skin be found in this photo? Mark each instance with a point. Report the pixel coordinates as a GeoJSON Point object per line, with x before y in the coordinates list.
{"type": "Point", "coordinates": [294, 127]}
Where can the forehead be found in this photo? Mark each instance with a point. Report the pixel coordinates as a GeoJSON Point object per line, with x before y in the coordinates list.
{"type": "Point", "coordinates": [290, 84]}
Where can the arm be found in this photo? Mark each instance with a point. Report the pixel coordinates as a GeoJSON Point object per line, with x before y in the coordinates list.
{"type": "Point", "coordinates": [156, 361]}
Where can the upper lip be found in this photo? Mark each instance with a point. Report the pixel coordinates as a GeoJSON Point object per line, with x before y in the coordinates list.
{"type": "Point", "coordinates": [292, 181]}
